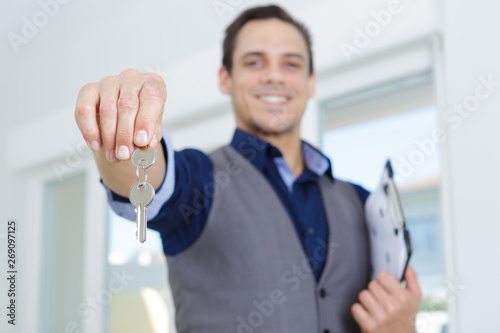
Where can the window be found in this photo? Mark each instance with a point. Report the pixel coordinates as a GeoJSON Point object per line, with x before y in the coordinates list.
{"type": "Point", "coordinates": [63, 252]}
{"type": "Point", "coordinates": [142, 302]}
{"type": "Point", "coordinates": [397, 120]}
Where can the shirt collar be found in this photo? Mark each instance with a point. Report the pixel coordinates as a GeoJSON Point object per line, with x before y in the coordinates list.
{"type": "Point", "coordinates": [257, 150]}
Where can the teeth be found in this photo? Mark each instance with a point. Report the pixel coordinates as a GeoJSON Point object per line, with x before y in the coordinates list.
{"type": "Point", "coordinates": [273, 98]}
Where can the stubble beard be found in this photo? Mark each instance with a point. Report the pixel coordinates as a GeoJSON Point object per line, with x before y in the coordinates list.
{"type": "Point", "coordinates": [286, 126]}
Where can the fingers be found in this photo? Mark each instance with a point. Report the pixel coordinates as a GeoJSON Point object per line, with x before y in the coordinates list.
{"type": "Point", "coordinates": [386, 305]}
{"type": "Point", "coordinates": [108, 115]}
{"type": "Point", "coordinates": [390, 283]}
{"type": "Point", "coordinates": [362, 317]}
{"type": "Point", "coordinates": [158, 135]}
{"type": "Point", "coordinates": [389, 303]}
{"type": "Point", "coordinates": [120, 112]}
{"type": "Point", "coordinates": [412, 281]}
{"type": "Point", "coordinates": [148, 122]}
{"type": "Point", "coordinates": [128, 106]}
{"type": "Point", "coordinates": [379, 292]}
{"type": "Point", "coordinates": [85, 115]}
{"type": "Point", "coordinates": [372, 305]}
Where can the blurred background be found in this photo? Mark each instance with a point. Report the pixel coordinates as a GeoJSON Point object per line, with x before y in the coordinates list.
{"type": "Point", "coordinates": [414, 81]}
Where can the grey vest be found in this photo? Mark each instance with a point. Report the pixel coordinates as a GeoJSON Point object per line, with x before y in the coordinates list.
{"type": "Point", "coordinates": [247, 271]}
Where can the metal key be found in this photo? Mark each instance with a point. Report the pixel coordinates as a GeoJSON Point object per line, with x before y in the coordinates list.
{"type": "Point", "coordinates": [143, 159]}
{"type": "Point", "coordinates": [141, 195]}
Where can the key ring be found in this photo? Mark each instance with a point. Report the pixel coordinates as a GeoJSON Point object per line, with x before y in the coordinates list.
{"type": "Point", "coordinates": [145, 175]}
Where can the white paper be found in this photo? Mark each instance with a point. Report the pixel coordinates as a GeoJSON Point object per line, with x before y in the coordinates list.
{"type": "Point", "coordinates": [389, 251]}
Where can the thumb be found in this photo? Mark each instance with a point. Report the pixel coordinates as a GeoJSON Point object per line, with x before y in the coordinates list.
{"type": "Point", "coordinates": [411, 280]}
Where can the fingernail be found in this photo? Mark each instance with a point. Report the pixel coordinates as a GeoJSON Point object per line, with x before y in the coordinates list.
{"type": "Point", "coordinates": [94, 145]}
{"type": "Point", "coordinates": [141, 137]}
{"type": "Point", "coordinates": [123, 152]}
{"type": "Point", "coordinates": [112, 156]}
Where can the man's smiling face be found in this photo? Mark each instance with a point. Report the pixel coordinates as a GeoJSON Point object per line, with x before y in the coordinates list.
{"type": "Point", "coordinates": [269, 80]}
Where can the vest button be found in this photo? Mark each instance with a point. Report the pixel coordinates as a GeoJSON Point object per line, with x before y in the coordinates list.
{"type": "Point", "coordinates": [322, 293]}
{"type": "Point", "coordinates": [326, 331]}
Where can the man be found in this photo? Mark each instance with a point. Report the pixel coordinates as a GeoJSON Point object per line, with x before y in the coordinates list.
{"type": "Point", "coordinates": [259, 236]}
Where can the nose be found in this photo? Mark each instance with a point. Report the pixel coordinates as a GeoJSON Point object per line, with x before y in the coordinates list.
{"type": "Point", "coordinates": [272, 74]}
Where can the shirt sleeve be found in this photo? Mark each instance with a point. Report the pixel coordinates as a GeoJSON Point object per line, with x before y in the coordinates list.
{"type": "Point", "coordinates": [182, 202]}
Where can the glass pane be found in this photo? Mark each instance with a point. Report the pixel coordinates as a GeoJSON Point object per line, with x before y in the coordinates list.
{"type": "Point", "coordinates": [359, 151]}
{"type": "Point", "coordinates": [411, 140]}
{"type": "Point", "coordinates": [142, 301]}
{"type": "Point", "coordinates": [62, 269]}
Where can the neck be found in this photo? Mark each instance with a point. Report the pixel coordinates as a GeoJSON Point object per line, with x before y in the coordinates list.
{"type": "Point", "coordinates": [289, 144]}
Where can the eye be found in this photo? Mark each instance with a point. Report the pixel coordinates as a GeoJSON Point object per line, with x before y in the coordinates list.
{"type": "Point", "coordinates": [292, 65]}
{"type": "Point", "coordinates": [254, 63]}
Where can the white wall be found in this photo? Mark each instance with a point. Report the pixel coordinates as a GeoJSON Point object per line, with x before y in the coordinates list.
{"type": "Point", "coordinates": [472, 49]}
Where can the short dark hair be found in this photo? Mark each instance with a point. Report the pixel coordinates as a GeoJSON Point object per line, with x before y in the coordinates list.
{"type": "Point", "coordinates": [260, 13]}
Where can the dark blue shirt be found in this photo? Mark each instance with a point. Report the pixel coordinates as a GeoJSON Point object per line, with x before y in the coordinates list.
{"type": "Point", "coordinates": [183, 201]}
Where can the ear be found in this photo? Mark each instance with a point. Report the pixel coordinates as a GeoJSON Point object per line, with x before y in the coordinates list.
{"type": "Point", "coordinates": [312, 85]}
{"type": "Point", "coordinates": [224, 80]}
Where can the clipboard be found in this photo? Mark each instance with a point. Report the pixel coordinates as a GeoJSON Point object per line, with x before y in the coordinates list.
{"type": "Point", "coordinates": [390, 241]}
